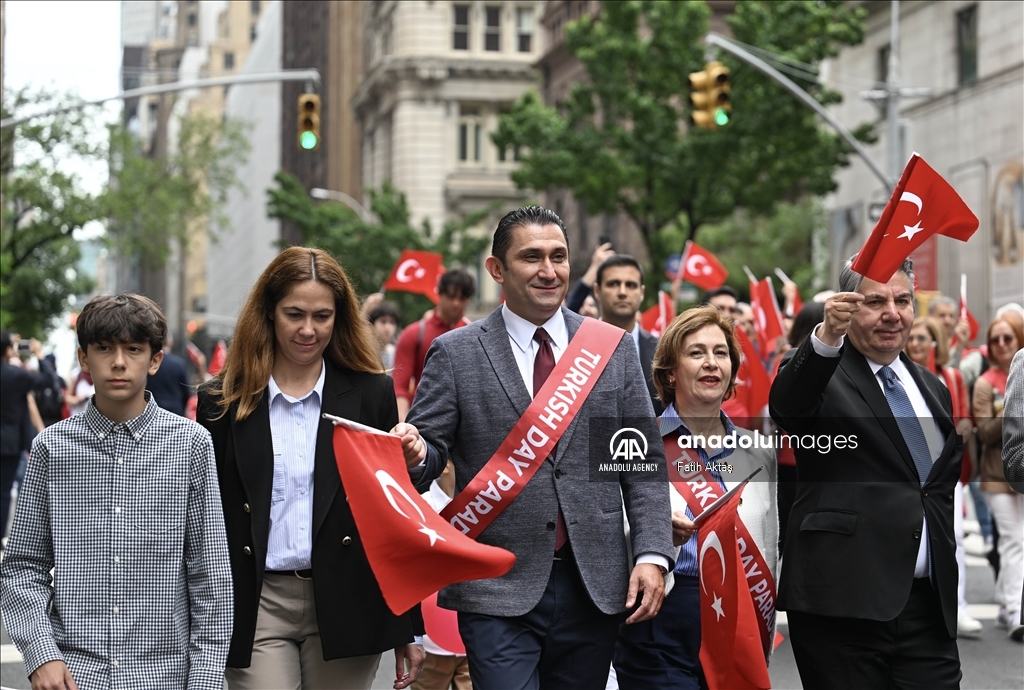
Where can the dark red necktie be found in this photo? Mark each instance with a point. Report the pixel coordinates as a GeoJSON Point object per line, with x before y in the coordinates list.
{"type": "Point", "coordinates": [542, 367]}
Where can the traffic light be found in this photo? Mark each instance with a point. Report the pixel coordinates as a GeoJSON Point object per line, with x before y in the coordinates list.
{"type": "Point", "coordinates": [709, 97]}
{"type": "Point", "coordinates": [309, 121]}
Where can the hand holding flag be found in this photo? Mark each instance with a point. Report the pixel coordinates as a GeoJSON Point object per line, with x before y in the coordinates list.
{"type": "Point", "coordinates": [398, 528]}
{"type": "Point", "coordinates": [923, 204]}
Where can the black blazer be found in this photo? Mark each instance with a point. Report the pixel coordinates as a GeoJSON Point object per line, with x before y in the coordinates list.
{"type": "Point", "coordinates": [855, 526]}
{"type": "Point", "coordinates": [353, 618]}
{"type": "Point", "coordinates": [648, 344]}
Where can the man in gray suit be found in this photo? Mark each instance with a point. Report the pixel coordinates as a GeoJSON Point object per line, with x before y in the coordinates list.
{"type": "Point", "coordinates": [1013, 448]}
{"type": "Point", "coordinates": [552, 620]}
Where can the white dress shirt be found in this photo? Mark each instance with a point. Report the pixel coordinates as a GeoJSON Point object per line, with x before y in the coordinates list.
{"type": "Point", "coordinates": [293, 426]}
{"type": "Point", "coordinates": [524, 348]}
{"type": "Point", "coordinates": [932, 433]}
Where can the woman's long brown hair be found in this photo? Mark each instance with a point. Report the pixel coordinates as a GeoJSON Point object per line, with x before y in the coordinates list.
{"type": "Point", "coordinates": [250, 358]}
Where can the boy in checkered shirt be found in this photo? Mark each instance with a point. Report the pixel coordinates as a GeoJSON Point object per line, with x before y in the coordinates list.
{"type": "Point", "coordinates": [122, 503]}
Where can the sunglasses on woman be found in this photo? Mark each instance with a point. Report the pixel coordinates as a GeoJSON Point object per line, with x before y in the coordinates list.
{"type": "Point", "coordinates": [1001, 339]}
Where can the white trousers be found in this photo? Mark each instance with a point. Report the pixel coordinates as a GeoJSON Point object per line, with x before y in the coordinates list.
{"type": "Point", "coordinates": [1008, 514]}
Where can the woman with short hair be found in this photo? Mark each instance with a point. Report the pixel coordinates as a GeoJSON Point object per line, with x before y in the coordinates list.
{"type": "Point", "coordinates": [694, 371]}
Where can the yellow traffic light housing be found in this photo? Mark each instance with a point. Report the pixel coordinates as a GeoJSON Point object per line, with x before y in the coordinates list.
{"type": "Point", "coordinates": [709, 97]}
{"type": "Point", "coordinates": [309, 122]}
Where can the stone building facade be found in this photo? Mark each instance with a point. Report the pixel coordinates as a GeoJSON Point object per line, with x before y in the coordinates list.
{"type": "Point", "coordinates": [971, 131]}
{"type": "Point", "coordinates": [437, 76]}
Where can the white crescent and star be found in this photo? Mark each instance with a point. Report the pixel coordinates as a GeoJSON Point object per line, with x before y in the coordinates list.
{"type": "Point", "coordinates": [388, 485]}
{"type": "Point", "coordinates": [717, 606]}
{"type": "Point", "coordinates": [712, 542]}
{"type": "Point", "coordinates": [409, 265]}
{"type": "Point", "coordinates": [697, 265]}
{"type": "Point", "coordinates": [910, 230]}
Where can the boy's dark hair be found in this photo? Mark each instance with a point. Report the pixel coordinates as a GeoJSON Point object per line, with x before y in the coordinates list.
{"type": "Point", "coordinates": [527, 215]}
{"type": "Point", "coordinates": [724, 290]}
{"type": "Point", "coordinates": [457, 282]}
{"type": "Point", "coordinates": [6, 340]}
{"type": "Point", "coordinates": [124, 318]}
{"type": "Point", "coordinates": [385, 309]}
{"type": "Point", "coordinates": [619, 260]}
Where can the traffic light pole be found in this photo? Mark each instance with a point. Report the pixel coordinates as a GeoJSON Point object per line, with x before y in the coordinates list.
{"type": "Point", "coordinates": [713, 39]}
{"type": "Point", "coordinates": [310, 76]}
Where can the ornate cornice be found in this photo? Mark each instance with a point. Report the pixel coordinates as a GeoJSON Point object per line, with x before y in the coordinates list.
{"type": "Point", "coordinates": [429, 73]}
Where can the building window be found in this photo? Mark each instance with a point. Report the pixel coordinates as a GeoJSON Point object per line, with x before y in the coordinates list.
{"type": "Point", "coordinates": [492, 29]}
{"type": "Point", "coordinates": [252, 33]}
{"type": "Point", "coordinates": [460, 27]}
{"type": "Point", "coordinates": [229, 60]}
{"type": "Point", "coordinates": [254, 8]}
{"type": "Point", "coordinates": [192, 19]}
{"type": "Point", "coordinates": [524, 29]}
{"type": "Point", "coordinates": [967, 43]}
{"type": "Point", "coordinates": [470, 135]}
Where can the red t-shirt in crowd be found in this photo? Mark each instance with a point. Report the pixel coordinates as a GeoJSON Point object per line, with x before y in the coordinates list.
{"type": "Point", "coordinates": [409, 358]}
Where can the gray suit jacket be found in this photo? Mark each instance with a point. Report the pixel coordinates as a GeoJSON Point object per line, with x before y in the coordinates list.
{"type": "Point", "coordinates": [470, 396]}
{"type": "Point", "coordinates": [1013, 426]}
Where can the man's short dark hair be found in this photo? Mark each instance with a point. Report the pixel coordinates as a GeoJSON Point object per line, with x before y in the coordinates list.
{"type": "Point", "coordinates": [124, 318]}
{"type": "Point", "coordinates": [385, 309]}
{"type": "Point", "coordinates": [458, 282]}
{"type": "Point", "coordinates": [526, 215]}
{"type": "Point", "coordinates": [619, 260]}
{"type": "Point", "coordinates": [6, 340]}
{"type": "Point", "coordinates": [724, 290]}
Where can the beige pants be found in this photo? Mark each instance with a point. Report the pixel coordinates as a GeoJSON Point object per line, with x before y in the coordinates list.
{"type": "Point", "coordinates": [444, 672]}
{"type": "Point", "coordinates": [286, 654]}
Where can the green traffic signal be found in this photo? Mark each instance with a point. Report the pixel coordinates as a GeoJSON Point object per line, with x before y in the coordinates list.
{"type": "Point", "coordinates": [308, 140]}
{"type": "Point", "coordinates": [721, 117]}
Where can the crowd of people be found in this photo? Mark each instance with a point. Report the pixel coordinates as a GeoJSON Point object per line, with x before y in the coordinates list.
{"type": "Point", "coordinates": [150, 550]}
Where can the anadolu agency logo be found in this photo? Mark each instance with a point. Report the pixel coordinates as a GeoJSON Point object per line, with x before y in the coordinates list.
{"type": "Point", "coordinates": [627, 452]}
{"type": "Point", "coordinates": [628, 444]}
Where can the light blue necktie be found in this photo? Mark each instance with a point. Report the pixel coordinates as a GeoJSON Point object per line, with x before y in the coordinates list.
{"type": "Point", "coordinates": [910, 427]}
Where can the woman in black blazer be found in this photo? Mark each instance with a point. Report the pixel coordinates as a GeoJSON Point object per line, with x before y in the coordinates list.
{"type": "Point", "coordinates": [307, 607]}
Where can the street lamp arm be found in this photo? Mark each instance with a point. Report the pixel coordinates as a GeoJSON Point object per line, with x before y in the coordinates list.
{"type": "Point", "coordinates": [311, 76]}
{"type": "Point", "coordinates": [728, 46]}
{"type": "Point", "coordinates": [342, 197]}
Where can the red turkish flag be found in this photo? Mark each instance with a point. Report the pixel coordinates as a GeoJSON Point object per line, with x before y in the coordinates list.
{"type": "Point", "coordinates": [217, 359]}
{"type": "Point", "coordinates": [752, 382]}
{"type": "Point", "coordinates": [731, 654]}
{"type": "Point", "coordinates": [656, 319]}
{"type": "Point", "coordinates": [412, 550]}
{"type": "Point", "coordinates": [416, 271]}
{"type": "Point", "coordinates": [768, 322]}
{"type": "Point", "coordinates": [701, 267]}
{"type": "Point", "coordinates": [923, 204]}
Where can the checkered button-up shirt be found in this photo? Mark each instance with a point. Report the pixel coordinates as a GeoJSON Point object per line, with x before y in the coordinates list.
{"type": "Point", "coordinates": [129, 518]}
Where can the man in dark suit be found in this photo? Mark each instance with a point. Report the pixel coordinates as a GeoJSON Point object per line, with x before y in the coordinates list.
{"type": "Point", "coordinates": [552, 620]}
{"type": "Point", "coordinates": [870, 581]}
{"type": "Point", "coordinates": [619, 291]}
{"type": "Point", "coordinates": [169, 385]}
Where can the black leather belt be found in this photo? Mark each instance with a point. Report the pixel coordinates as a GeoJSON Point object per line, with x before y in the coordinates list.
{"type": "Point", "coordinates": [306, 574]}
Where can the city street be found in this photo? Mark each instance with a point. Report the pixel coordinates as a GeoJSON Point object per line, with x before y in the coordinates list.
{"type": "Point", "coordinates": [992, 662]}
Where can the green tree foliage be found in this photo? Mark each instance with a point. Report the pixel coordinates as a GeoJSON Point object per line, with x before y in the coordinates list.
{"type": "Point", "coordinates": [43, 205]}
{"type": "Point", "coordinates": [369, 250]}
{"type": "Point", "coordinates": [151, 201]}
{"type": "Point", "coordinates": [762, 243]}
{"type": "Point", "coordinates": [619, 140]}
